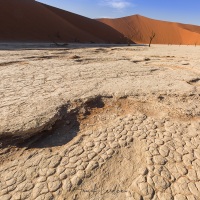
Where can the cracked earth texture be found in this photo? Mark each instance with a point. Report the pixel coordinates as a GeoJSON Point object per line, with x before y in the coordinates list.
{"type": "Point", "coordinates": [100, 122]}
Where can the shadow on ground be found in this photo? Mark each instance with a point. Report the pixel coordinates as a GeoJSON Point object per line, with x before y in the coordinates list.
{"type": "Point", "coordinates": [62, 131]}
{"type": "Point", "coordinates": [52, 46]}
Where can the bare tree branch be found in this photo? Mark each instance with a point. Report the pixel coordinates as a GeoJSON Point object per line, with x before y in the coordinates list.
{"type": "Point", "coordinates": [153, 34]}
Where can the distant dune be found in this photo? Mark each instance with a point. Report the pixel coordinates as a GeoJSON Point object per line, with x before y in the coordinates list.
{"type": "Point", "coordinates": [28, 20]}
{"type": "Point", "coordinates": [31, 21]}
{"type": "Point", "coordinates": [139, 28]}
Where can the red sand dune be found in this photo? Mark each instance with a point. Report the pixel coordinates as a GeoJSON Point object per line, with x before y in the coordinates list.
{"type": "Point", "coordinates": [28, 20]}
{"type": "Point", "coordinates": [31, 21]}
{"type": "Point", "coordinates": [139, 28]}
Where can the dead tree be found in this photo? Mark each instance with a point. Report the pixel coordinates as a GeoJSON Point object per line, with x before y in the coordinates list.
{"type": "Point", "coordinates": [60, 45]}
{"type": "Point", "coordinates": [128, 39]}
{"type": "Point", "coordinates": [134, 34]}
{"type": "Point", "coordinates": [153, 34]}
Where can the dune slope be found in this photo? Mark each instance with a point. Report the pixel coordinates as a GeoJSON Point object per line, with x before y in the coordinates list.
{"type": "Point", "coordinates": [139, 29]}
{"type": "Point", "coordinates": [28, 20]}
{"type": "Point", "coordinates": [31, 21]}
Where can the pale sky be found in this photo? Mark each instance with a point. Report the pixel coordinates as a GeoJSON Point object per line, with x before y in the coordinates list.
{"type": "Point", "coordinates": [185, 11]}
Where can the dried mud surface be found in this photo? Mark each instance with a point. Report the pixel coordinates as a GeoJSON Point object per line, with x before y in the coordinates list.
{"type": "Point", "coordinates": [100, 123]}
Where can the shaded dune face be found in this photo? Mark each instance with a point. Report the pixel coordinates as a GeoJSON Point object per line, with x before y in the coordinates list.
{"type": "Point", "coordinates": [139, 28]}
{"type": "Point", "coordinates": [98, 29]}
{"type": "Point", "coordinates": [28, 20]}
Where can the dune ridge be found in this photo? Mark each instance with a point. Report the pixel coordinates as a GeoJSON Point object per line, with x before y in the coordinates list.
{"type": "Point", "coordinates": [139, 29]}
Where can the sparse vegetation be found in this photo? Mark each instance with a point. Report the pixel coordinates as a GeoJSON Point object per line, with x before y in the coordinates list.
{"type": "Point", "coordinates": [153, 34]}
{"type": "Point", "coordinates": [133, 33]}
{"type": "Point", "coordinates": [57, 38]}
{"type": "Point", "coordinates": [61, 45]}
{"type": "Point", "coordinates": [129, 39]}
